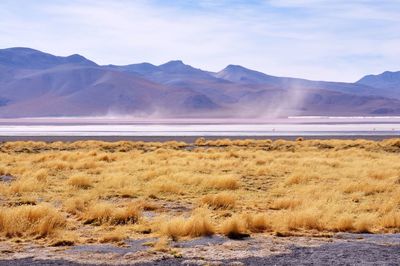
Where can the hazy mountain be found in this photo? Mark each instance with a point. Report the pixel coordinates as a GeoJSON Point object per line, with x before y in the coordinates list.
{"type": "Point", "coordinates": [387, 79]}
{"type": "Point", "coordinates": [239, 74]}
{"type": "Point", "coordinates": [387, 82]}
{"type": "Point", "coordinates": [242, 75]}
{"type": "Point", "coordinates": [20, 57]}
{"type": "Point", "coordinates": [178, 67]}
{"type": "Point", "coordinates": [33, 83]}
{"type": "Point", "coordinates": [142, 68]}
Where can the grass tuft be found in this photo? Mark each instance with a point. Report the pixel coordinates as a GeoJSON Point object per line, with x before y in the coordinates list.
{"type": "Point", "coordinates": [234, 227]}
{"type": "Point", "coordinates": [223, 200]}
{"type": "Point", "coordinates": [82, 182]}
{"type": "Point", "coordinates": [40, 220]}
{"type": "Point", "coordinates": [198, 224]}
{"type": "Point", "coordinates": [105, 213]}
{"type": "Point", "coordinates": [222, 182]}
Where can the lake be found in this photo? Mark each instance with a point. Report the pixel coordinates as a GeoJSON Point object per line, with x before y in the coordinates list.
{"type": "Point", "coordinates": [154, 128]}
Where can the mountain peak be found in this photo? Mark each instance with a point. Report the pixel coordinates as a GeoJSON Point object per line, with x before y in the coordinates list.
{"type": "Point", "coordinates": [173, 63]}
{"type": "Point", "coordinates": [237, 73]}
{"type": "Point", "coordinates": [21, 50]}
{"type": "Point", "coordinates": [177, 62]}
{"type": "Point", "coordinates": [176, 66]}
{"type": "Point", "coordinates": [391, 74]}
{"type": "Point", "coordinates": [76, 57]}
{"type": "Point", "coordinates": [235, 67]}
{"type": "Point", "coordinates": [34, 59]}
{"type": "Point", "coordinates": [385, 80]}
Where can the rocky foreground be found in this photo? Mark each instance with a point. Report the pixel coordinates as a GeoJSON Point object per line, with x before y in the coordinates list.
{"type": "Point", "coordinates": [341, 249]}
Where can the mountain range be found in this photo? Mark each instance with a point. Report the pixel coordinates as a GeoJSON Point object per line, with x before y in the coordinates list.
{"type": "Point", "coordinates": [38, 84]}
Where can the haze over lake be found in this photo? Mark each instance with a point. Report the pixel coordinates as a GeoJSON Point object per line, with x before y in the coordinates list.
{"type": "Point", "coordinates": [292, 126]}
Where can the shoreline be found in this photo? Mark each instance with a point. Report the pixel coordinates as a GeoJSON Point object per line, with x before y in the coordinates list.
{"type": "Point", "coordinates": [190, 139]}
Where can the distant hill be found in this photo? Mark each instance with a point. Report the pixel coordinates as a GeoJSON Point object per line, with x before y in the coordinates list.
{"type": "Point", "coordinates": [20, 57]}
{"type": "Point", "coordinates": [387, 82]}
{"type": "Point", "coordinates": [239, 74]}
{"type": "Point", "coordinates": [33, 83]}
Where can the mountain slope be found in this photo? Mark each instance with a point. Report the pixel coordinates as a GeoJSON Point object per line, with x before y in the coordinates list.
{"type": "Point", "coordinates": [242, 75]}
{"type": "Point", "coordinates": [388, 83]}
{"type": "Point", "coordinates": [239, 74]}
{"type": "Point", "coordinates": [387, 79]}
{"type": "Point", "coordinates": [76, 91]}
{"type": "Point", "coordinates": [142, 68]}
{"type": "Point", "coordinates": [33, 83]}
{"type": "Point", "coordinates": [89, 91]}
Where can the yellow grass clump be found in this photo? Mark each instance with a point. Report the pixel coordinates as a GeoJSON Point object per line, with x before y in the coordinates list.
{"type": "Point", "coordinates": [234, 227]}
{"type": "Point", "coordinates": [310, 220]}
{"type": "Point", "coordinates": [23, 185]}
{"type": "Point", "coordinates": [391, 220]}
{"type": "Point", "coordinates": [41, 175]}
{"type": "Point", "coordinates": [79, 181]}
{"type": "Point", "coordinates": [198, 224]}
{"type": "Point", "coordinates": [257, 223]}
{"type": "Point", "coordinates": [106, 213]}
{"type": "Point", "coordinates": [223, 200]}
{"type": "Point", "coordinates": [365, 223]}
{"type": "Point", "coordinates": [168, 187]}
{"type": "Point", "coordinates": [222, 182]}
{"type": "Point", "coordinates": [147, 205]}
{"type": "Point", "coordinates": [286, 203]}
{"type": "Point", "coordinates": [75, 205]}
{"type": "Point", "coordinates": [41, 220]}
{"type": "Point", "coordinates": [344, 224]}
{"type": "Point", "coordinates": [113, 236]}
{"type": "Point", "coordinates": [64, 238]}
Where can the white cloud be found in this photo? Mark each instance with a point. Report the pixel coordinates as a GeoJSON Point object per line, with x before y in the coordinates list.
{"type": "Point", "coordinates": [331, 40]}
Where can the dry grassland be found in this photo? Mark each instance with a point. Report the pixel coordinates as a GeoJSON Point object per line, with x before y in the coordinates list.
{"type": "Point", "coordinates": [89, 191]}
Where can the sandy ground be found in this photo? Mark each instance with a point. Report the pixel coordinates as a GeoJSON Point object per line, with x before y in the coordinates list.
{"type": "Point", "coordinates": [341, 249]}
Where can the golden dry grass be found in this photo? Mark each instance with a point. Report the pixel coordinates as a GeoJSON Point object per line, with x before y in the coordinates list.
{"type": "Point", "coordinates": [222, 182]}
{"type": "Point", "coordinates": [257, 223]}
{"type": "Point", "coordinates": [106, 213]}
{"type": "Point", "coordinates": [30, 221]}
{"type": "Point", "coordinates": [223, 200]}
{"type": "Point", "coordinates": [113, 237]}
{"type": "Point", "coordinates": [74, 205]}
{"type": "Point", "coordinates": [249, 186]}
{"type": "Point", "coordinates": [234, 227]}
{"type": "Point", "coordinates": [79, 181]}
{"type": "Point", "coordinates": [198, 224]}
{"type": "Point", "coordinates": [391, 220]}
{"type": "Point", "coordinates": [285, 203]}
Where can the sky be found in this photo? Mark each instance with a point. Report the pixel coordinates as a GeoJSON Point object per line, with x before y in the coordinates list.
{"type": "Point", "coordinates": [338, 40]}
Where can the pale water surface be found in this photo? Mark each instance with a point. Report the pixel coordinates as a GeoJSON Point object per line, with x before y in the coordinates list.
{"type": "Point", "coordinates": [112, 126]}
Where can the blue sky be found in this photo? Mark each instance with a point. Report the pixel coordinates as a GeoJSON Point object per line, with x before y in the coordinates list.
{"type": "Point", "coordinates": [316, 39]}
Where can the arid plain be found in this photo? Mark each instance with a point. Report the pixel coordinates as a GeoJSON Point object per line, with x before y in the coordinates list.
{"type": "Point", "coordinates": [88, 192]}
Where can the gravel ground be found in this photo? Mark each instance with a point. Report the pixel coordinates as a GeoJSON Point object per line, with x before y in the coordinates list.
{"type": "Point", "coordinates": [346, 249]}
